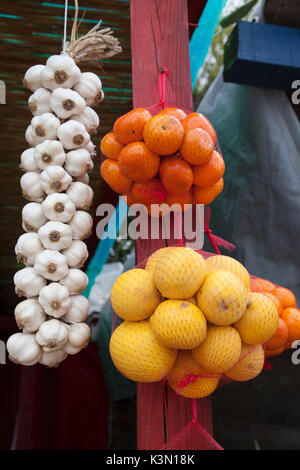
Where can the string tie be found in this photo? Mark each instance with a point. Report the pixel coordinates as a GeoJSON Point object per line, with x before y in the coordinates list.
{"type": "Point", "coordinates": [162, 86]}
{"type": "Point", "coordinates": [215, 241]}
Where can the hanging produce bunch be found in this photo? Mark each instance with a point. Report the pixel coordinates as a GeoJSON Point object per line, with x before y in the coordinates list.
{"type": "Point", "coordinates": [167, 158]}
{"type": "Point", "coordinates": [189, 320]}
{"type": "Point", "coordinates": [56, 218]}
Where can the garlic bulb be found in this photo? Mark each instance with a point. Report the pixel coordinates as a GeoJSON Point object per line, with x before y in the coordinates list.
{"type": "Point", "coordinates": [83, 179]}
{"type": "Point", "coordinates": [78, 162]}
{"type": "Point", "coordinates": [55, 235]}
{"type": "Point", "coordinates": [29, 136]}
{"type": "Point", "coordinates": [23, 349]}
{"type": "Point", "coordinates": [51, 265]}
{"type": "Point", "coordinates": [29, 315]}
{"type": "Point", "coordinates": [53, 358]}
{"type": "Point", "coordinates": [69, 349]}
{"type": "Point", "coordinates": [54, 179]}
{"type": "Point", "coordinates": [42, 127]}
{"type": "Point", "coordinates": [64, 103]}
{"type": "Point", "coordinates": [58, 206]}
{"type": "Point", "coordinates": [76, 281]}
{"type": "Point", "coordinates": [89, 118]}
{"type": "Point", "coordinates": [81, 225]}
{"type": "Point", "coordinates": [89, 87]}
{"type": "Point", "coordinates": [33, 217]}
{"type": "Point", "coordinates": [27, 247]}
{"type": "Point", "coordinates": [28, 162]}
{"type": "Point", "coordinates": [81, 194]}
{"type": "Point", "coordinates": [78, 310]}
{"type": "Point", "coordinates": [79, 335]}
{"type": "Point", "coordinates": [28, 282]}
{"type": "Point", "coordinates": [55, 299]}
{"type": "Point", "coordinates": [32, 189]}
{"type": "Point", "coordinates": [60, 72]}
{"type": "Point", "coordinates": [52, 335]}
{"type": "Point", "coordinates": [73, 134]}
{"type": "Point", "coordinates": [90, 147]}
{"type": "Point", "coordinates": [77, 254]}
{"type": "Point", "coordinates": [39, 102]}
{"type": "Point", "coordinates": [49, 152]}
{"type": "Point", "coordinates": [32, 78]}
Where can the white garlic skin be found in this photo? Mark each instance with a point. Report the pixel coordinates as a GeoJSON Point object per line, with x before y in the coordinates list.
{"type": "Point", "coordinates": [27, 248]}
{"type": "Point", "coordinates": [89, 118]}
{"type": "Point", "coordinates": [23, 349]}
{"type": "Point", "coordinates": [39, 102]}
{"type": "Point", "coordinates": [64, 103]}
{"type": "Point", "coordinates": [55, 299]}
{"type": "Point", "coordinates": [60, 72]}
{"type": "Point", "coordinates": [55, 235]}
{"type": "Point", "coordinates": [73, 134]}
{"type": "Point", "coordinates": [59, 207]}
{"type": "Point", "coordinates": [83, 179]}
{"type": "Point", "coordinates": [81, 225]}
{"type": "Point", "coordinates": [49, 152]}
{"type": "Point", "coordinates": [90, 147]}
{"type": "Point", "coordinates": [89, 87]}
{"type": "Point", "coordinates": [52, 335]}
{"type": "Point", "coordinates": [75, 281]}
{"type": "Point", "coordinates": [81, 194]}
{"type": "Point", "coordinates": [33, 217]}
{"type": "Point", "coordinates": [78, 162]}
{"type": "Point", "coordinates": [32, 78]}
{"type": "Point", "coordinates": [29, 136]}
{"type": "Point", "coordinates": [54, 179]}
{"type": "Point", "coordinates": [32, 189]}
{"type": "Point", "coordinates": [43, 127]}
{"type": "Point", "coordinates": [78, 310]}
{"type": "Point", "coordinates": [53, 358]}
{"type": "Point", "coordinates": [29, 315]}
{"type": "Point", "coordinates": [28, 282]}
{"type": "Point", "coordinates": [77, 254]}
{"type": "Point", "coordinates": [51, 264]}
{"type": "Point", "coordinates": [70, 349]}
{"type": "Point", "coordinates": [28, 162]}
{"type": "Point", "coordinates": [79, 335]}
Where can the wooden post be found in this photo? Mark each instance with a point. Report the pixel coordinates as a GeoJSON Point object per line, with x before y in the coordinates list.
{"type": "Point", "coordinates": [160, 39]}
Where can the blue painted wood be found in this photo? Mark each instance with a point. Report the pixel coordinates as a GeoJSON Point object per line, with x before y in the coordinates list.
{"type": "Point", "coordinates": [262, 55]}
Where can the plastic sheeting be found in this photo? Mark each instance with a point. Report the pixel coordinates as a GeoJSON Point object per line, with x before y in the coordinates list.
{"type": "Point", "coordinates": [259, 135]}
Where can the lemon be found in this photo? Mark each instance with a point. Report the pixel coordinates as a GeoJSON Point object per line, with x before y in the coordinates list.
{"type": "Point", "coordinates": [229, 264]}
{"type": "Point", "coordinates": [137, 354]}
{"type": "Point", "coordinates": [249, 364]}
{"type": "Point", "coordinates": [188, 379]}
{"type": "Point", "coordinates": [220, 350]}
{"type": "Point", "coordinates": [222, 298]}
{"type": "Point", "coordinates": [134, 296]}
{"type": "Point", "coordinates": [260, 320]}
{"type": "Point", "coordinates": [179, 273]}
{"type": "Point", "coordinates": [179, 324]}
{"type": "Point", "coordinates": [152, 260]}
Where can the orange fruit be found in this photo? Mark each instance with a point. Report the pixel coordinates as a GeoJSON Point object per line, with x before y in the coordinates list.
{"type": "Point", "coordinates": [194, 120]}
{"type": "Point", "coordinates": [289, 344]}
{"type": "Point", "coordinates": [176, 112]}
{"type": "Point", "coordinates": [110, 147]}
{"type": "Point", "coordinates": [210, 172]}
{"type": "Point", "coordinates": [285, 297]}
{"type": "Point", "coordinates": [254, 286]}
{"type": "Point", "coordinates": [150, 192]}
{"type": "Point", "coordinates": [129, 127]}
{"type": "Point", "coordinates": [291, 316]}
{"type": "Point", "coordinates": [181, 199]}
{"type": "Point", "coordinates": [163, 134]}
{"type": "Point", "coordinates": [138, 162]}
{"type": "Point", "coordinates": [176, 175]}
{"type": "Point", "coordinates": [114, 177]}
{"type": "Point", "coordinates": [197, 146]}
{"type": "Point", "coordinates": [207, 195]}
{"type": "Point", "coordinates": [276, 301]}
{"type": "Point", "coordinates": [280, 336]}
{"type": "Point", "coordinates": [273, 352]}
{"type": "Point", "coordinates": [267, 286]}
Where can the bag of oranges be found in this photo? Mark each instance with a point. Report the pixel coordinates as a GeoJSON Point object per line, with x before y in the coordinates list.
{"type": "Point", "coordinates": [197, 320]}
{"type": "Point", "coordinates": [170, 158]}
